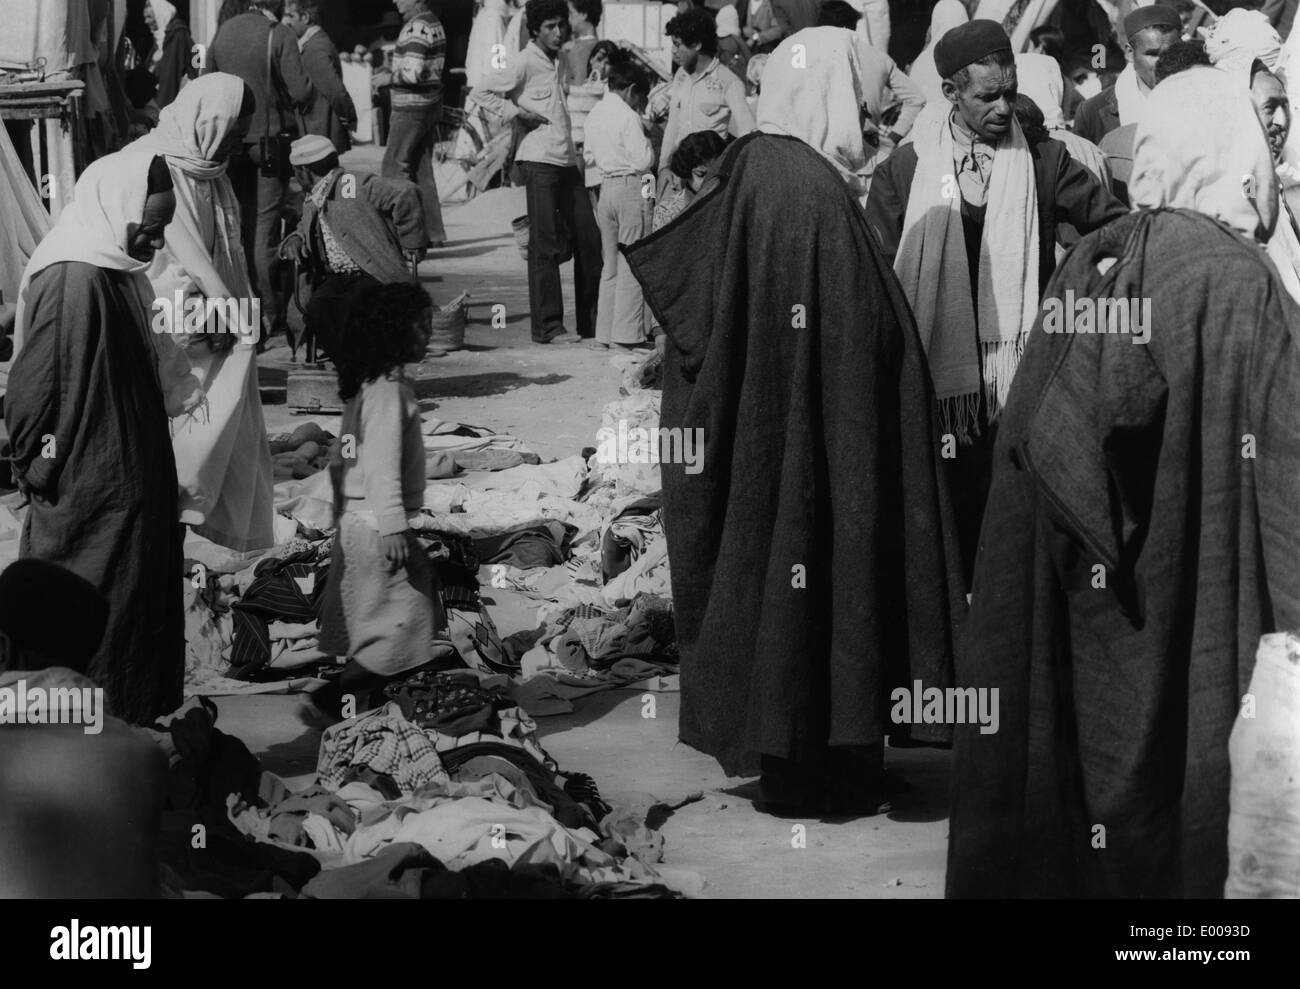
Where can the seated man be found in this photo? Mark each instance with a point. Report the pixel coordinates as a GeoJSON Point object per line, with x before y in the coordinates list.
{"type": "Point", "coordinates": [356, 230]}
{"type": "Point", "coordinates": [81, 792]}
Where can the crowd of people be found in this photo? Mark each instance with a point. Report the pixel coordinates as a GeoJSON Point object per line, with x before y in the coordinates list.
{"type": "Point", "coordinates": [912, 476]}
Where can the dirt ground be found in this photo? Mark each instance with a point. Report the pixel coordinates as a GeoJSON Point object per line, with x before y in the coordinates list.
{"type": "Point", "coordinates": [551, 397]}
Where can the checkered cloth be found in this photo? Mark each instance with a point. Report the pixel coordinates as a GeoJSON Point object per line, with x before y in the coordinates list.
{"type": "Point", "coordinates": [385, 742]}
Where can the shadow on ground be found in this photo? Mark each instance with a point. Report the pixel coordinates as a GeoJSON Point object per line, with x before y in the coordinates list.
{"type": "Point", "coordinates": [486, 383]}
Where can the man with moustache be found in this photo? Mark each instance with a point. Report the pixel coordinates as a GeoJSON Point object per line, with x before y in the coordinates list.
{"type": "Point", "coordinates": [971, 186]}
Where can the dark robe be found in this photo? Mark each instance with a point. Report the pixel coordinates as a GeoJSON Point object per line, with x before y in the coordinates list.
{"type": "Point", "coordinates": [814, 564]}
{"type": "Point", "coordinates": [1117, 701]}
{"type": "Point", "coordinates": [177, 62]}
{"type": "Point", "coordinates": [103, 490]}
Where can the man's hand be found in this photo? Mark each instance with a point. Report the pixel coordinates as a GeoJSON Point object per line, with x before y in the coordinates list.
{"type": "Point", "coordinates": [414, 257]}
{"type": "Point", "coordinates": [530, 119]}
{"type": "Point", "coordinates": [395, 551]}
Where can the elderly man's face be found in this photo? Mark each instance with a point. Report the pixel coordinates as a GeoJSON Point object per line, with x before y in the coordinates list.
{"type": "Point", "coordinates": [987, 102]}
{"type": "Point", "coordinates": [1274, 111]}
{"type": "Point", "coordinates": [145, 239]}
{"type": "Point", "coordinates": [1144, 50]}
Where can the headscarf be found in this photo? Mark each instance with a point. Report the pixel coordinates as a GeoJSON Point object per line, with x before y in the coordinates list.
{"type": "Point", "coordinates": [192, 126]}
{"type": "Point", "coordinates": [728, 22]}
{"type": "Point", "coordinates": [1200, 146]}
{"type": "Point", "coordinates": [947, 14]}
{"type": "Point", "coordinates": [1238, 38]}
{"type": "Point", "coordinates": [163, 12]}
{"type": "Point", "coordinates": [816, 96]}
{"type": "Point", "coordinates": [203, 255]}
{"type": "Point", "coordinates": [1039, 78]}
{"type": "Point", "coordinates": [108, 197]}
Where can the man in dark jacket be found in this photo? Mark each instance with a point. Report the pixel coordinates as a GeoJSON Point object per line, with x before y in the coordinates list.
{"type": "Point", "coordinates": [333, 114]}
{"type": "Point", "coordinates": [1148, 31]}
{"type": "Point", "coordinates": [248, 46]}
{"type": "Point", "coordinates": [357, 230]}
{"type": "Point", "coordinates": [972, 360]}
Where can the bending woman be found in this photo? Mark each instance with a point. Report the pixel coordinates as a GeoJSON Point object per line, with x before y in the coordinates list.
{"type": "Point", "coordinates": [223, 462]}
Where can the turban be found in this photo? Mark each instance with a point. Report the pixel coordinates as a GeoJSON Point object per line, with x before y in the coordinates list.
{"type": "Point", "coordinates": [1239, 37]}
{"type": "Point", "coordinates": [968, 43]}
{"type": "Point", "coordinates": [1164, 18]}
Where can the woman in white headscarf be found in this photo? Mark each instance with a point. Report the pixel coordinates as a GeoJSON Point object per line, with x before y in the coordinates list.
{"type": "Point", "coordinates": [172, 61]}
{"type": "Point", "coordinates": [1039, 78]}
{"type": "Point", "coordinates": [88, 426]}
{"type": "Point", "coordinates": [223, 461]}
{"type": "Point", "coordinates": [947, 14]}
{"type": "Point", "coordinates": [788, 304]}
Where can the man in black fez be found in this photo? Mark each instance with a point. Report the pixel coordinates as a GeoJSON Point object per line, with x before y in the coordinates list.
{"type": "Point", "coordinates": [1147, 31]}
{"type": "Point", "coordinates": [967, 214]}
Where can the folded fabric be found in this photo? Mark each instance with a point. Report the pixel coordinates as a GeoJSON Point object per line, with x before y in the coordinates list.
{"type": "Point", "coordinates": [551, 692]}
{"type": "Point", "coordinates": [448, 702]}
{"type": "Point", "coordinates": [382, 741]}
{"type": "Point", "coordinates": [407, 871]}
{"type": "Point", "coordinates": [289, 589]}
{"type": "Point", "coordinates": [492, 459]}
{"type": "Point", "coordinates": [543, 545]}
{"type": "Point", "coordinates": [628, 534]}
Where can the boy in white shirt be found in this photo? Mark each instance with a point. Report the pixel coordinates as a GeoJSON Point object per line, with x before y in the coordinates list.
{"type": "Point", "coordinates": [617, 143]}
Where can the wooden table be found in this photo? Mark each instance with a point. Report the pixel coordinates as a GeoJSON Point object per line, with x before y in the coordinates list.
{"type": "Point", "coordinates": [58, 104]}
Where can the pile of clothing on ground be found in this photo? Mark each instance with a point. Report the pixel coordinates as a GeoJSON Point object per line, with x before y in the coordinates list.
{"type": "Point", "coordinates": [443, 792]}
{"type": "Point", "coordinates": [580, 538]}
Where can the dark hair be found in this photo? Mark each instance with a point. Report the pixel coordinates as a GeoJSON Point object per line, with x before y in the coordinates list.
{"type": "Point", "coordinates": [610, 50]}
{"type": "Point", "coordinates": [538, 12]}
{"type": "Point", "coordinates": [309, 7]}
{"type": "Point", "coordinates": [1002, 59]}
{"type": "Point", "coordinates": [248, 104]}
{"type": "Point", "coordinates": [1050, 38]}
{"type": "Point", "coordinates": [160, 177]}
{"type": "Point", "coordinates": [1031, 119]}
{"type": "Point", "coordinates": [624, 71]}
{"type": "Point", "coordinates": [837, 13]}
{"type": "Point", "coordinates": [323, 166]}
{"type": "Point", "coordinates": [274, 6]}
{"type": "Point", "coordinates": [695, 150]}
{"type": "Point", "coordinates": [232, 8]}
{"type": "Point", "coordinates": [590, 9]}
{"type": "Point", "coordinates": [377, 333]}
{"type": "Point", "coordinates": [695, 27]}
{"type": "Point", "coordinates": [1179, 57]}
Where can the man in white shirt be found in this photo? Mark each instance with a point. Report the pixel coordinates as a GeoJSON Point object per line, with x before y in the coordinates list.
{"type": "Point", "coordinates": [531, 93]}
{"type": "Point", "coordinates": [617, 143]}
{"type": "Point", "coordinates": [705, 94]}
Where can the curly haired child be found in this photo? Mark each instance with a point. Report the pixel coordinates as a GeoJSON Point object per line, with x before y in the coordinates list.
{"type": "Point", "coordinates": [380, 608]}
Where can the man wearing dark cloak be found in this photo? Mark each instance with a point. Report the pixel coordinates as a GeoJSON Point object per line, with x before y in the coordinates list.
{"type": "Point", "coordinates": [814, 564]}
{"type": "Point", "coordinates": [91, 444]}
{"type": "Point", "coordinates": [1143, 531]}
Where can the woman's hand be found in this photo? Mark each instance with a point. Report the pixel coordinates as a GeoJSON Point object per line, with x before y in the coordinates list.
{"type": "Point", "coordinates": [395, 551]}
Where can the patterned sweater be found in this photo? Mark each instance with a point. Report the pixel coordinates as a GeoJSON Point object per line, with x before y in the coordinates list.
{"type": "Point", "coordinates": [417, 63]}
